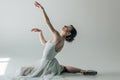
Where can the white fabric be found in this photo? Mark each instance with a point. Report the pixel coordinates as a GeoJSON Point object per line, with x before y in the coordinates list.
{"type": "Point", "coordinates": [48, 68]}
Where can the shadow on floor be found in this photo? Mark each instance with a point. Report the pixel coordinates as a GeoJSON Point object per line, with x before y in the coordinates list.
{"type": "Point", "coordinates": [99, 75]}
{"type": "Point", "coordinates": [77, 75]}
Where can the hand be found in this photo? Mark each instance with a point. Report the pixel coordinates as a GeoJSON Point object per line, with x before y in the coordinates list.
{"type": "Point", "coordinates": [38, 5]}
{"type": "Point", "coordinates": [36, 30]}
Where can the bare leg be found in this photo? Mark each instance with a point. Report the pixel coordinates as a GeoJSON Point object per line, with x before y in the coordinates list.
{"type": "Point", "coordinates": [70, 69]}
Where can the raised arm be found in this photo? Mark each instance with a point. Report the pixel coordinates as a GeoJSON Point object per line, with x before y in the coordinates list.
{"type": "Point", "coordinates": [46, 18]}
{"type": "Point", "coordinates": [42, 39]}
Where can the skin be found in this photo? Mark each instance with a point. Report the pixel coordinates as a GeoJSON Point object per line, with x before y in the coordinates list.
{"type": "Point", "coordinates": [56, 36]}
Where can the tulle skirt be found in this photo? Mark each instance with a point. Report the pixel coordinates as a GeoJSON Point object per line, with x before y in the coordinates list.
{"type": "Point", "coordinates": [43, 69]}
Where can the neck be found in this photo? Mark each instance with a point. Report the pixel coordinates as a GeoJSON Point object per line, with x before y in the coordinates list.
{"type": "Point", "coordinates": [63, 36]}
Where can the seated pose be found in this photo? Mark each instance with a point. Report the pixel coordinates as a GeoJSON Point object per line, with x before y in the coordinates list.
{"type": "Point", "coordinates": [48, 63]}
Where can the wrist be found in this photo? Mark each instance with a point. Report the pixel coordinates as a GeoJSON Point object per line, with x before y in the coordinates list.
{"type": "Point", "coordinates": [41, 8]}
{"type": "Point", "coordinates": [40, 32]}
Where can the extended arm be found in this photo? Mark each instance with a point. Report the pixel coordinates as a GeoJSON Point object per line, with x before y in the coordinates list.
{"type": "Point", "coordinates": [42, 39]}
{"type": "Point", "coordinates": [46, 18]}
{"type": "Point", "coordinates": [47, 21]}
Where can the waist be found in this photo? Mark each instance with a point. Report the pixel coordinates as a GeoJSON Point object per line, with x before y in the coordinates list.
{"type": "Point", "coordinates": [47, 58]}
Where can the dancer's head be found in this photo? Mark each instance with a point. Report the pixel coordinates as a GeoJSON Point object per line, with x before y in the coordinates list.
{"type": "Point", "coordinates": [69, 32]}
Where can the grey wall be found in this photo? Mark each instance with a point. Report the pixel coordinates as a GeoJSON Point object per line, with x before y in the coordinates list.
{"type": "Point", "coordinates": [97, 45]}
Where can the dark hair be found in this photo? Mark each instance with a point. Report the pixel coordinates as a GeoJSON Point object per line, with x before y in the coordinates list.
{"type": "Point", "coordinates": [73, 34]}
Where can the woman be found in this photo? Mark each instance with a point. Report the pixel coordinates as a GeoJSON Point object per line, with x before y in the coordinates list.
{"type": "Point", "coordinates": [48, 63]}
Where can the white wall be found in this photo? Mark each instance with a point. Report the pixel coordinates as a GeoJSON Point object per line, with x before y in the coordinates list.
{"type": "Point", "coordinates": [97, 45]}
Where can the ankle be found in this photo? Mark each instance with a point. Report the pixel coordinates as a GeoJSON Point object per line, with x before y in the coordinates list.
{"type": "Point", "coordinates": [82, 71]}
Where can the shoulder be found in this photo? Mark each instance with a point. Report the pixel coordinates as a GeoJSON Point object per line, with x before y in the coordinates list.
{"type": "Point", "coordinates": [56, 37]}
{"type": "Point", "coordinates": [56, 33]}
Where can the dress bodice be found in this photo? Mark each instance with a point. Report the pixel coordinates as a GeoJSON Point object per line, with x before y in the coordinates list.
{"type": "Point", "coordinates": [49, 51]}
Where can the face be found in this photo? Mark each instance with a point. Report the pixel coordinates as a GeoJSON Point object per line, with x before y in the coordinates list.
{"type": "Point", "coordinates": [66, 30]}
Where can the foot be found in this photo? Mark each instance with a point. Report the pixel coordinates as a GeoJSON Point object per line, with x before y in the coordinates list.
{"type": "Point", "coordinates": [89, 72]}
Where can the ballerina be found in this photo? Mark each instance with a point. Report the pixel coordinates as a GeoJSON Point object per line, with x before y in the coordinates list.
{"type": "Point", "coordinates": [48, 64]}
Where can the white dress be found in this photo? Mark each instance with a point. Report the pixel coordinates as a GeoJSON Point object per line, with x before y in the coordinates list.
{"type": "Point", "coordinates": [47, 67]}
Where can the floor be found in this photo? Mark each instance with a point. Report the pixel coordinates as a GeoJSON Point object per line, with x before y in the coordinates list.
{"type": "Point", "coordinates": [101, 76]}
{"type": "Point", "coordinates": [107, 75]}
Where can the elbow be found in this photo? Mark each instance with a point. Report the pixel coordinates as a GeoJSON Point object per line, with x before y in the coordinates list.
{"type": "Point", "coordinates": [43, 43]}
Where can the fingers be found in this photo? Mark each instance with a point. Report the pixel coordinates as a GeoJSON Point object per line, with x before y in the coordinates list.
{"type": "Point", "coordinates": [38, 5]}
{"type": "Point", "coordinates": [35, 30]}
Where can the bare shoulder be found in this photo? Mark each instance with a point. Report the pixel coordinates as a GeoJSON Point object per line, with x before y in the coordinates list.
{"type": "Point", "coordinates": [56, 37]}
{"type": "Point", "coordinates": [57, 33]}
